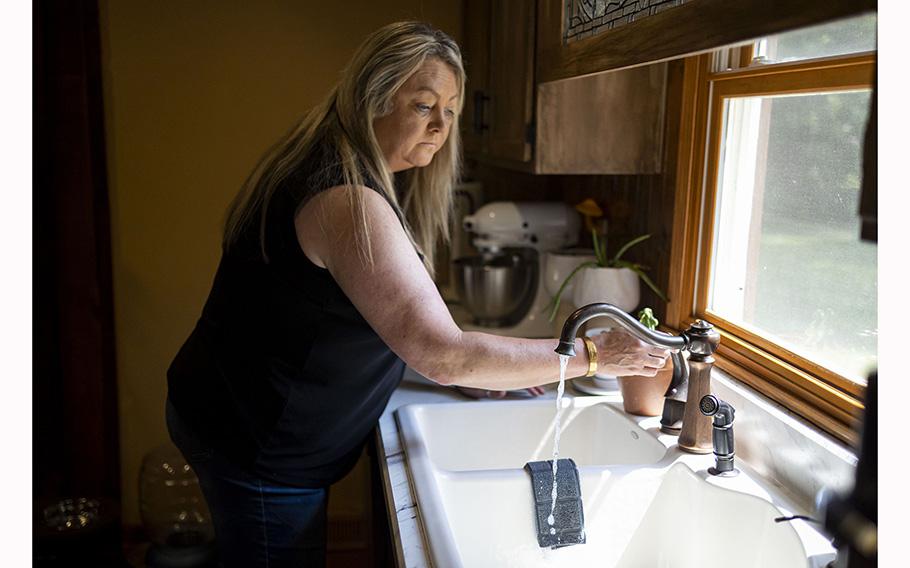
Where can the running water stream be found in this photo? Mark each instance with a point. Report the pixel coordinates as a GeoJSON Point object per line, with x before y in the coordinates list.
{"type": "Point", "coordinates": [563, 363]}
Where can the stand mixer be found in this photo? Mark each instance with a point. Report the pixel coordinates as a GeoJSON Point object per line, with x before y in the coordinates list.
{"type": "Point", "coordinates": [503, 287]}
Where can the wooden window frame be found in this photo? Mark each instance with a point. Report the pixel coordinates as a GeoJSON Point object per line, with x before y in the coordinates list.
{"type": "Point", "coordinates": [824, 398]}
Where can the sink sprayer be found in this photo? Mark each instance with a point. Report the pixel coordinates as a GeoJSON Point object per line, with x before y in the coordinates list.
{"type": "Point", "coordinates": [724, 453]}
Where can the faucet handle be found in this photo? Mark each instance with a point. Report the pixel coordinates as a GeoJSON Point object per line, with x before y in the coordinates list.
{"type": "Point", "coordinates": [702, 338]}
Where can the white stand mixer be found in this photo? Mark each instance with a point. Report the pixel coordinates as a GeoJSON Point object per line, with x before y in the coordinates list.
{"type": "Point", "coordinates": [536, 227]}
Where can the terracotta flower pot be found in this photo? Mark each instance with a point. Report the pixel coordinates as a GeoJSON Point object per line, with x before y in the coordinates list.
{"type": "Point", "coordinates": [644, 396]}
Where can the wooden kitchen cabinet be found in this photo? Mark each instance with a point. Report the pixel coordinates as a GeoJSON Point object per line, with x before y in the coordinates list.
{"type": "Point", "coordinates": [475, 53]}
{"type": "Point", "coordinates": [499, 62]}
{"type": "Point", "coordinates": [511, 85]}
{"type": "Point", "coordinates": [578, 37]}
{"type": "Point", "coordinates": [542, 102]}
{"type": "Point", "coordinates": [609, 123]}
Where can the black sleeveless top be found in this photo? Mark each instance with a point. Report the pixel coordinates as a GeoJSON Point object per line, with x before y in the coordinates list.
{"type": "Point", "coordinates": [281, 373]}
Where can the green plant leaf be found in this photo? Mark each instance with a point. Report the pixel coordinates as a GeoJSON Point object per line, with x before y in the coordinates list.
{"type": "Point", "coordinates": [629, 245]}
{"type": "Point", "coordinates": [648, 319]}
{"type": "Point", "coordinates": [596, 245]}
{"type": "Point", "coordinates": [600, 252]}
{"type": "Point", "coordinates": [557, 298]}
{"type": "Point", "coordinates": [651, 285]}
{"type": "Point", "coordinates": [629, 264]}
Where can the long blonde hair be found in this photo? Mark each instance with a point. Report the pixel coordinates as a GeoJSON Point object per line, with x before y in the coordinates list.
{"type": "Point", "coordinates": [379, 67]}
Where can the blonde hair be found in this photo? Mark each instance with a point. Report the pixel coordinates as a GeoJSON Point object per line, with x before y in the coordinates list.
{"type": "Point", "coordinates": [378, 69]}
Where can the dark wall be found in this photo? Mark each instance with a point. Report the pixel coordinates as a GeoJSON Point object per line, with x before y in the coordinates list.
{"type": "Point", "coordinates": [75, 415]}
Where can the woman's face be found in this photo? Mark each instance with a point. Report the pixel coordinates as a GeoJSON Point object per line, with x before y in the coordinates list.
{"type": "Point", "coordinates": [423, 111]}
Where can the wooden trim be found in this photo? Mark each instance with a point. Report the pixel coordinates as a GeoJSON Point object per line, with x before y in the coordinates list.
{"type": "Point", "coordinates": [380, 476]}
{"type": "Point", "coordinates": [709, 198]}
{"type": "Point", "coordinates": [834, 61]}
{"type": "Point", "coordinates": [816, 411]}
{"type": "Point", "coordinates": [829, 74]}
{"type": "Point", "coordinates": [803, 368]}
{"type": "Point", "coordinates": [843, 407]}
{"type": "Point", "coordinates": [694, 27]}
{"type": "Point", "coordinates": [826, 399]}
{"type": "Point", "coordinates": [549, 39]}
{"type": "Point", "coordinates": [746, 53]}
{"type": "Point", "coordinates": [687, 200]}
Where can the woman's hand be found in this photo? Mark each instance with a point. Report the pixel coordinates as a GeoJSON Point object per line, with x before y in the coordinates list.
{"type": "Point", "coordinates": [620, 353]}
{"type": "Point", "coordinates": [484, 393]}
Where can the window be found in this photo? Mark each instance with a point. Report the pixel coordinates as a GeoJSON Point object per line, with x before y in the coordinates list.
{"type": "Point", "coordinates": [782, 272]}
{"type": "Point", "coordinates": [843, 37]}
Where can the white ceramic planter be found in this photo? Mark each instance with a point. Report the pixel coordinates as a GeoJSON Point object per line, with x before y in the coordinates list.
{"type": "Point", "coordinates": [559, 265]}
{"type": "Point", "coordinates": [618, 286]}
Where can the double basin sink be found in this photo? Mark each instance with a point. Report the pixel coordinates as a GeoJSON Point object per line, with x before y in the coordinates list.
{"type": "Point", "coordinates": [646, 503]}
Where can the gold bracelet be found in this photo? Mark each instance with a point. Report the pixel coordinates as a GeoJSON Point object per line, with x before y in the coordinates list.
{"type": "Point", "coordinates": [592, 356]}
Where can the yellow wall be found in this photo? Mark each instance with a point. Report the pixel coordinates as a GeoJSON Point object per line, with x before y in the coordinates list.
{"type": "Point", "coordinates": [194, 93]}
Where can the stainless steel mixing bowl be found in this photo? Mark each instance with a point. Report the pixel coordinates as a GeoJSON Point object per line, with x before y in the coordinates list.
{"type": "Point", "coordinates": [496, 288]}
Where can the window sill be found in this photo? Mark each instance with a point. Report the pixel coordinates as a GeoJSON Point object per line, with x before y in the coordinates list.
{"type": "Point", "coordinates": [784, 448]}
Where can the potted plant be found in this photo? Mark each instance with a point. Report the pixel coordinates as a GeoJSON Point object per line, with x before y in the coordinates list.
{"type": "Point", "coordinates": [642, 395]}
{"type": "Point", "coordinates": [605, 279]}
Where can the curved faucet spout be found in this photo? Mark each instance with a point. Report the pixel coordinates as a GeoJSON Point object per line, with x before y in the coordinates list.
{"type": "Point", "coordinates": [584, 313]}
{"type": "Point", "coordinates": [690, 381]}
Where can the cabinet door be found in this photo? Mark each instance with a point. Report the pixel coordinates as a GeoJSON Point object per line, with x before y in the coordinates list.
{"type": "Point", "coordinates": [476, 57]}
{"type": "Point", "coordinates": [511, 80]}
{"type": "Point", "coordinates": [606, 123]}
{"type": "Point", "coordinates": [578, 37]}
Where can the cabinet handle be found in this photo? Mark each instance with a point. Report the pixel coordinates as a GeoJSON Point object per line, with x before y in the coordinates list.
{"type": "Point", "coordinates": [480, 101]}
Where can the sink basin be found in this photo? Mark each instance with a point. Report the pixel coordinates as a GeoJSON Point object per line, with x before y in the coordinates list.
{"type": "Point", "coordinates": [646, 503]}
{"type": "Point", "coordinates": [707, 521]}
{"type": "Point", "coordinates": [649, 518]}
{"type": "Point", "coordinates": [467, 436]}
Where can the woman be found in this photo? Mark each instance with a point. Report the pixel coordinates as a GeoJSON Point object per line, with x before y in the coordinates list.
{"type": "Point", "coordinates": [323, 294]}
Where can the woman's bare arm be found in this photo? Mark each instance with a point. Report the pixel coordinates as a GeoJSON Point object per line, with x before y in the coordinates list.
{"type": "Point", "coordinates": [399, 300]}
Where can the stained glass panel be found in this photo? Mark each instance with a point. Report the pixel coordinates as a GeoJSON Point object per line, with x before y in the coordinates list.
{"type": "Point", "coordinates": [585, 18]}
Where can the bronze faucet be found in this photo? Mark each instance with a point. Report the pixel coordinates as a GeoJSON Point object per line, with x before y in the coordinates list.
{"type": "Point", "coordinates": [690, 382]}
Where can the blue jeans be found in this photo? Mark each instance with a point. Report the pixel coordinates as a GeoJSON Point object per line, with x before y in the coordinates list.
{"type": "Point", "coordinates": [257, 522]}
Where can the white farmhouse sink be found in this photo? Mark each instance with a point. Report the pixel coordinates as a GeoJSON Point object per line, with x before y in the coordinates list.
{"type": "Point", "coordinates": [664, 510]}
{"type": "Point", "coordinates": [483, 435]}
